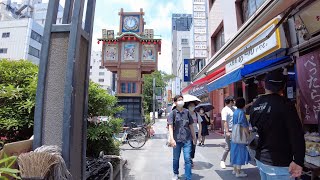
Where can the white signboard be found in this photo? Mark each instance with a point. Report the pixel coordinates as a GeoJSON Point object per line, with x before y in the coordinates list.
{"type": "Point", "coordinates": [255, 51]}
{"type": "Point", "coordinates": [199, 22]}
{"type": "Point", "coordinates": [200, 37]}
{"type": "Point", "coordinates": [200, 30]}
{"type": "Point", "coordinates": [200, 53]}
{"type": "Point", "coordinates": [201, 15]}
{"type": "Point", "coordinates": [200, 45]}
{"type": "Point", "coordinates": [199, 7]}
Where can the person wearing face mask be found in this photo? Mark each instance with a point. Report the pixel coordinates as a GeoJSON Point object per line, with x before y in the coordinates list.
{"type": "Point", "coordinates": [182, 137]}
{"type": "Point", "coordinates": [196, 125]}
{"type": "Point", "coordinates": [204, 126]}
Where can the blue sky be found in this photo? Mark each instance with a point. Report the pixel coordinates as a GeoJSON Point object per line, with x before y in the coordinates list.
{"type": "Point", "coordinates": [157, 16]}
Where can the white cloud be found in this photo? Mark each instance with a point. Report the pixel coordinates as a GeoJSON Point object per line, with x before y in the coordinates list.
{"type": "Point", "coordinates": [164, 61]}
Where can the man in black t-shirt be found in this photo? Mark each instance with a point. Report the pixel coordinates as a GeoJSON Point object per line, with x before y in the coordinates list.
{"type": "Point", "coordinates": [281, 146]}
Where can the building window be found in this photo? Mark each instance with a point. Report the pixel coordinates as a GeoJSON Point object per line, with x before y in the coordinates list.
{"type": "Point", "coordinates": [101, 73]}
{"type": "Point", "coordinates": [90, 67]}
{"type": "Point", "coordinates": [217, 41]}
{"type": "Point", "coordinates": [35, 36]}
{"type": "Point", "coordinates": [128, 87]}
{"type": "Point", "coordinates": [184, 41]}
{"type": "Point", "coordinates": [5, 34]}
{"type": "Point", "coordinates": [134, 88]}
{"type": "Point", "coordinates": [101, 67]}
{"type": "Point", "coordinates": [34, 52]}
{"type": "Point", "coordinates": [249, 7]}
{"type": "Point", "coordinates": [3, 50]}
{"type": "Point", "coordinates": [101, 80]}
{"type": "Point", "coordinates": [123, 87]}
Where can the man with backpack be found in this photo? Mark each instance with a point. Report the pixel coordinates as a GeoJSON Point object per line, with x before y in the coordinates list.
{"type": "Point", "coordinates": [182, 136]}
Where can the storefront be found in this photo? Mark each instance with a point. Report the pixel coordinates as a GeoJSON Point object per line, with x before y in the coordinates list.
{"type": "Point", "coordinates": [266, 53]}
{"type": "Point", "coordinates": [306, 51]}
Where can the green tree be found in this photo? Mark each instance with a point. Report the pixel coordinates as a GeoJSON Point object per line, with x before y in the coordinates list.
{"type": "Point", "coordinates": [99, 134]}
{"type": "Point", "coordinates": [161, 78]}
{"type": "Point", "coordinates": [18, 82]}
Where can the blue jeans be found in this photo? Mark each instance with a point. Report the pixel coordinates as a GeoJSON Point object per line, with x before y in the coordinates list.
{"type": "Point", "coordinates": [268, 172]}
{"type": "Point", "coordinates": [186, 147]}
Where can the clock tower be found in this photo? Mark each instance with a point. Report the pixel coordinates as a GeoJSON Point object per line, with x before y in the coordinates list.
{"type": "Point", "coordinates": [131, 54]}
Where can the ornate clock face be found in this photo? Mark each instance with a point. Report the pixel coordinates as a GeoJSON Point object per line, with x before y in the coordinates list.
{"type": "Point", "coordinates": [131, 23]}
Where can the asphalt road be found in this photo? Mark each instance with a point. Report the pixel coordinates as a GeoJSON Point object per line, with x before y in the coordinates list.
{"type": "Point", "coordinates": [154, 160]}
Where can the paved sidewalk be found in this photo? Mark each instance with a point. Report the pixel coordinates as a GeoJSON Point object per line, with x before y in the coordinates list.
{"type": "Point", "coordinates": [154, 160]}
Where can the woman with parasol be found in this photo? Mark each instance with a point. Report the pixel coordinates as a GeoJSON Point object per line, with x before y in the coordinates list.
{"type": "Point", "coordinates": [202, 109]}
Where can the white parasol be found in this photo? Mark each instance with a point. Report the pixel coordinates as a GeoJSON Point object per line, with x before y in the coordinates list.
{"type": "Point", "coordinates": [189, 98]}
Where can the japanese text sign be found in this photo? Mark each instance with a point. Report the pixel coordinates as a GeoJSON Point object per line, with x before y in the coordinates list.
{"type": "Point", "coordinates": [308, 73]}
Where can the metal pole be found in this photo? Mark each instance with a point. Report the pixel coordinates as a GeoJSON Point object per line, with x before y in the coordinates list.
{"type": "Point", "coordinates": [154, 100]}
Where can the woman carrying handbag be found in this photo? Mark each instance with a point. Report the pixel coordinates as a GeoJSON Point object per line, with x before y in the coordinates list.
{"type": "Point", "coordinates": [239, 154]}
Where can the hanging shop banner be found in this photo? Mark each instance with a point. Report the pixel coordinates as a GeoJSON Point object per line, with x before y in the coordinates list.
{"type": "Point", "coordinates": [240, 56]}
{"type": "Point", "coordinates": [308, 74]}
{"type": "Point", "coordinates": [186, 70]}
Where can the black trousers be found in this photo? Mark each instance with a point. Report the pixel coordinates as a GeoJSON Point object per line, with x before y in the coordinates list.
{"type": "Point", "coordinates": [193, 151]}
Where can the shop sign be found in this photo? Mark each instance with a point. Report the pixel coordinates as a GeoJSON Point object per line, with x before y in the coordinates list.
{"type": "Point", "coordinates": [311, 17]}
{"type": "Point", "coordinates": [308, 72]}
{"type": "Point", "coordinates": [200, 28]}
{"type": "Point", "coordinates": [186, 72]}
{"type": "Point", "coordinates": [199, 90]}
{"type": "Point", "coordinates": [264, 48]}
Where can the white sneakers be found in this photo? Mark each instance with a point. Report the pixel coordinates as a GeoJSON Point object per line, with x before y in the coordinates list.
{"type": "Point", "coordinates": [241, 174]}
{"type": "Point", "coordinates": [175, 177]}
{"type": "Point", "coordinates": [222, 165]}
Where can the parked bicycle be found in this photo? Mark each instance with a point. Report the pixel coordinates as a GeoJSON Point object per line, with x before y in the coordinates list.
{"type": "Point", "coordinates": [142, 127]}
{"type": "Point", "coordinates": [135, 137]}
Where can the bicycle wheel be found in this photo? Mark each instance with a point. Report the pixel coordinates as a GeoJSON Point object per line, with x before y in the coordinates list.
{"type": "Point", "coordinates": [137, 140]}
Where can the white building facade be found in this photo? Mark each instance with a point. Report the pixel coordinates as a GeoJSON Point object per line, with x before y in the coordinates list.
{"type": "Point", "coordinates": [21, 39]}
{"type": "Point", "coordinates": [98, 73]}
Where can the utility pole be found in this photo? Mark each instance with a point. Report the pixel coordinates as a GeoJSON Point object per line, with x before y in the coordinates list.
{"type": "Point", "coordinates": [154, 100]}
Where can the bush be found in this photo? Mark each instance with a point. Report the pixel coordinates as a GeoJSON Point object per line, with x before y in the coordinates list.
{"type": "Point", "coordinates": [18, 82]}
{"type": "Point", "coordinates": [100, 135]}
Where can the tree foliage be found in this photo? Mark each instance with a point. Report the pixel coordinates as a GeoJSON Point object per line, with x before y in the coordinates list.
{"type": "Point", "coordinates": [18, 82]}
{"type": "Point", "coordinates": [100, 134]}
{"type": "Point", "coordinates": [161, 81]}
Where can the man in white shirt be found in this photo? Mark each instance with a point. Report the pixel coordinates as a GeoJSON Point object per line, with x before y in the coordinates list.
{"type": "Point", "coordinates": [226, 117]}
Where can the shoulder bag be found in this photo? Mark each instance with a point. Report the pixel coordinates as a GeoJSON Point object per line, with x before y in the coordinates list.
{"type": "Point", "coordinates": [239, 134]}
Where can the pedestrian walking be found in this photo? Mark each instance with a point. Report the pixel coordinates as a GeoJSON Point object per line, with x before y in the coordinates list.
{"type": "Point", "coordinates": [196, 126]}
{"type": "Point", "coordinates": [239, 154]}
{"type": "Point", "coordinates": [204, 129]}
{"type": "Point", "coordinates": [280, 149]}
{"type": "Point", "coordinates": [182, 136]}
{"type": "Point", "coordinates": [226, 117]}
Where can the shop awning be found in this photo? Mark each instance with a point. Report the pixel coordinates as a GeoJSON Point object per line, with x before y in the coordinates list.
{"type": "Point", "coordinates": [225, 80]}
{"type": "Point", "coordinates": [256, 67]}
{"type": "Point", "coordinates": [203, 80]}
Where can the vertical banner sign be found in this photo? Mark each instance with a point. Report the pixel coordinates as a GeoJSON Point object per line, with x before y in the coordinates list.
{"type": "Point", "coordinates": [200, 28]}
{"type": "Point", "coordinates": [186, 71]}
{"type": "Point", "coordinates": [308, 73]}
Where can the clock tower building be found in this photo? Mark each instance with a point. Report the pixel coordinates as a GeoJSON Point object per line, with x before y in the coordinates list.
{"type": "Point", "coordinates": [131, 54]}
